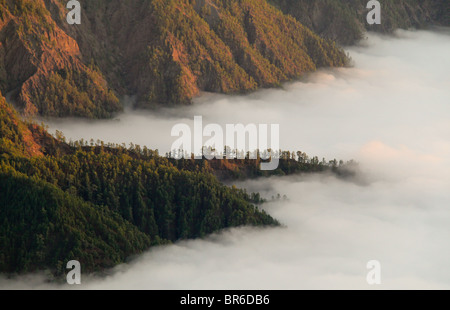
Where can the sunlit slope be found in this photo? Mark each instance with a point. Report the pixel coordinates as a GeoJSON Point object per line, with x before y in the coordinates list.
{"type": "Point", "coordinates": [164, 51]}
{"type": "Point", "coordinates": [345, 20]}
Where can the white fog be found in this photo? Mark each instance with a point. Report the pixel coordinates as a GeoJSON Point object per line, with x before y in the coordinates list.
{"type": "Point", "coordinates": [390, 113]}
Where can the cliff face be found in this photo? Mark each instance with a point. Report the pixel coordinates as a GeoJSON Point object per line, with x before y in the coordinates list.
{"type": "Point", "coordinates": [42, 65]}
{"type": "Point", "coordinates": [100, 205]}
{"type": "Point", "coordinates": [16, 138]}
{"type": "Point", "coordinates": [167, 51]}
{"type": "Point", "coordinates": [344, 21]}
{"type": "Point", "coordinates": [228, 47]}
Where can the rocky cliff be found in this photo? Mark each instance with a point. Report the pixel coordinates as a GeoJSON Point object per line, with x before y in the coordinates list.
{"type": "Point", "coordinates": [41, 65]}
{"type": "Point", "coordinates": [167, 51]}
{"type": "Point", "coordinates": [344, 21]}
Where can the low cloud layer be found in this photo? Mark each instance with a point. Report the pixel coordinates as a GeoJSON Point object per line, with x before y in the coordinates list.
{"type": "Point", "coordinates": [390, 113]}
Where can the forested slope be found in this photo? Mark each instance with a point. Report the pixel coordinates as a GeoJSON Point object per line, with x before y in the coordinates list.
{"type": "Point", "coordinates": [344, 21]}
{"type": "Point", "coordinates": [163, 51]}
{"type": "Point", "coordinates": [168, 51]}
{"type": "Point", "coordinates": [100, 205]}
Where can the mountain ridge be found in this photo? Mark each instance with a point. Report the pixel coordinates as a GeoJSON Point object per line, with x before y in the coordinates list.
{"type": "Point", "coordinates": [100, 205]}
{"type": "Point", "coordinates": [344, 21]}
{"type": "Point", "coordinates": [165, 52]}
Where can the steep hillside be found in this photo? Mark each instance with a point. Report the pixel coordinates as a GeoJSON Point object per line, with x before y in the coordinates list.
{"type": "Point", "coordinates": [99, 205]}
{"type": "Point", "coordinates": [345, 20]}
{"type": "Point", "coordinates": [168, 51]}
{"type": "Point", "coordinates": [41, 65]}
{"type": "Point", "coordinates": [42, 227]}
{"type": "Point", "coordinates": [15, 137]}
{"type": "Point", "coordinates": [164, 51]}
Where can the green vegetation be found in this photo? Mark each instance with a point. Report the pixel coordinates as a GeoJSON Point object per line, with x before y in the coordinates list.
{"type": "Point", "coordinates": [42, 66]}
{"type": "Point", "coordinates": [15, 137]}
{"type": "Point", "coordinates": [344, 21]}
{"type": "Point", "coordinates": [227, 47]}
{"type": "Point", "coordinates": [168, 51]}
{"type": "Point", "coordinates": [289, 163]}
{"type": "Point", "coordinates": [100, 204]}
{"type": "Point", "coordinates": [76, 93]}
{"type": "Point", "coordinates": [164, 51]}
{"type": "Point", "coordinates": [44, 227]}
